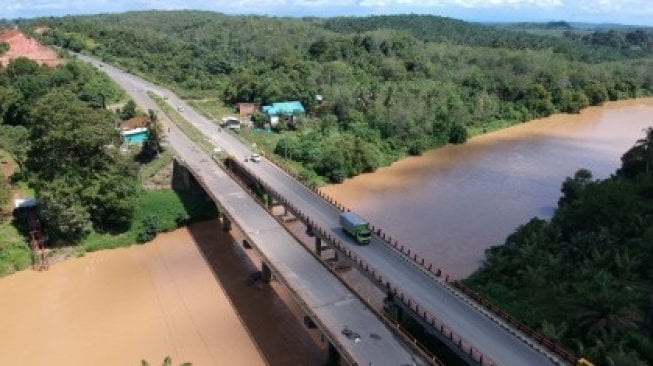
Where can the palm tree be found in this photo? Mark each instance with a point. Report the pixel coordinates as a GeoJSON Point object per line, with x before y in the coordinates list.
{"type": "Point", "coordinates": [640, 157]}
{"type": "Point", "coordinates": [647, 145]}
{"type": "Point", "coordinates": [155, 138]}
{"type": "Point", "coordinates": [607, 314]}
{"type": "Point", "coordinates": [553, 331]}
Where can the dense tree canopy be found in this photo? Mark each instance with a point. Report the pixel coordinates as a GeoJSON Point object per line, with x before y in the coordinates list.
{"type": "Point", "coordinates": [63, 143]}
{"type": "Point", "coordinates": [585, 278]}
{"type": "Point", "coordinates": [400, 83]}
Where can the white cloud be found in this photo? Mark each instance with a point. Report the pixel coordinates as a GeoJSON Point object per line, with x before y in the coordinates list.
{"type": "Point", "coordinates": [618, 6]}
{"type": "Point", "coordinates": [465, 3]}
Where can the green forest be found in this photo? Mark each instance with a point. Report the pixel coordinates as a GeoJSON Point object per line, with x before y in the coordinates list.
{"type": "Point", "coordinates": [56, 127]}
{"type": "Point", "coordinates": [585, 277]}
{"type": "Point", "coordinates": [392, 85]}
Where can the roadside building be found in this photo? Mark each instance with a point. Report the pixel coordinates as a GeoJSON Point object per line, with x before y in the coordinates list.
{"type": "Point", "coordinates": [247, 109]}
{"type": "Point", "coordinates": [134, 130]}
{"type": "Point", "coordinates": [132, 123]}
{"type": "Point", "coordinates": [283, 109]}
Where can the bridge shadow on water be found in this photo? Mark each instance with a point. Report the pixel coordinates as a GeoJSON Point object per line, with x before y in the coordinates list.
{"type": "Point", "coordinates": [273, 319]}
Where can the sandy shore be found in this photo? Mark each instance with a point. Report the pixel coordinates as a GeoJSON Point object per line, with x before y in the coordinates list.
{"type": "Point", "coordinates": [183, 295]}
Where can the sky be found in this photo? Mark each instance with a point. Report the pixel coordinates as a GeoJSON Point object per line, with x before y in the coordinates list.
{"type": "Point", "coordinates": [635, 12]}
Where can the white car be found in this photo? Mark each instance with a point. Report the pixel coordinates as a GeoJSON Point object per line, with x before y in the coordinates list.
{"type": "Point", "coordinates": [255, 158]}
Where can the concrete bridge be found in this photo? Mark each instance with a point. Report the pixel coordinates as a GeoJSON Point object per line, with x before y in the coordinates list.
{"type": "Point", "coordinates": [331, 306]}
{"type": "Point", "coordinates": [478, 332]}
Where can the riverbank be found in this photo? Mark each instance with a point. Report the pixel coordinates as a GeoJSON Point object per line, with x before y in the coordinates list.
{"type": "Point", "coordinates": [452, 203]}
{"type": "Point", "coordinates": [183, 295]}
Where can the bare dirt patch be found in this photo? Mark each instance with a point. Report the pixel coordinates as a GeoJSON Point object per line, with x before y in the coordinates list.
{"type": "Point", "coordinates": [22, 46]}
{"type": "Point", "coordinates": [161, 180]}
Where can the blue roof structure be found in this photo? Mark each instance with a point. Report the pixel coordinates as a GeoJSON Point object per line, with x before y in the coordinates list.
{"type": "Point", "coordinates": [284, 108]}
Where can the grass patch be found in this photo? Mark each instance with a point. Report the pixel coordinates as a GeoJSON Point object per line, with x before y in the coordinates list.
{"type": "Point", "coordinates": [490, 127]}
{"type": "Point", "coordinates": [211, 108]}
{"type": "Point", "coordinates": [148, 170]}
{"type": "Point", "coordinates": [264, 141]}
{"type": "Point", "coordinates": [165, 208]}
{"type": "Point", "coordinates": [186, 127]}
{"type": "Point", "coordinates": [14, 251]}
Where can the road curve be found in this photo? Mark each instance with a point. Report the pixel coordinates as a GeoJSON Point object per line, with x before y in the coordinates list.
{"type": "Point", "coordinates": [486, 335]}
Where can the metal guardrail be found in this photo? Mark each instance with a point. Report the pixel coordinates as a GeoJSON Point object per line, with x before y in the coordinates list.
{"type": "Point", "coordinates": [403, 333]}
{"type": "Point", "coordinates": [279, 276]}
{"type": "Point", "coordinates": [429, 268]}
{"type": "Point", "coordinates": [462, 345]}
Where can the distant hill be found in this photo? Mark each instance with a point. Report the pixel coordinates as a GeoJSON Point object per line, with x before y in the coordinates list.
{"type": "Point", "coordinates": [577, 41]}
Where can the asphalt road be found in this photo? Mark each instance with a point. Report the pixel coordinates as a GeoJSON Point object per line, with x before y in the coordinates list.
{"type": "Point", "coordinates": [322, 295]}
{"type": "Point", "coordinates": [476, 328]}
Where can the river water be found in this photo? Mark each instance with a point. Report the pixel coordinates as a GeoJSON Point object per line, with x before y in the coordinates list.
{"type": "Point", "coordinates": [184, 295]}
{"type": "Point", "coordinates": [452, 203]}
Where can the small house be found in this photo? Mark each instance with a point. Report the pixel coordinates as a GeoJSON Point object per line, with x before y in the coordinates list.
{"type": "Point", "coordinates": [133, 130]}
{"type": "Point", "coordinates": [276, 110]}
{"type": "Point", "coordinates": [247, 109]}
{"type": "Point", "coordinates": [135, 136]}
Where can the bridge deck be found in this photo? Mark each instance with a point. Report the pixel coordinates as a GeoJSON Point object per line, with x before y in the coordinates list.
{"type": "Point", "coordinates": [486, 335]}
{"type": "Point", "coordinates": [322, 295]}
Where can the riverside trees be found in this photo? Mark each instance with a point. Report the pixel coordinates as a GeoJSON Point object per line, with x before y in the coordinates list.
{"type": "Point", "coordinates": [63, 143]}
{"type": "Point", "coordinates": [402, 83]}
{"type": "Point", "coordinates": [585, 278]}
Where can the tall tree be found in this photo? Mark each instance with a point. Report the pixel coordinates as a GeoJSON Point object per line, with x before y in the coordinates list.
{"type": "Point", "coordinates": [639, 159]}
{"type": "Point", "coordinates": [128, 111]}
{"type": "Point", "coordinates": [153, 146]}
{"type": "Point", "coordinates": [15, 140]}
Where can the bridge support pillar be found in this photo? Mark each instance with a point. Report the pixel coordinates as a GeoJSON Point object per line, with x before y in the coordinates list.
{"type": "Point", "coordinates": [226, 223]}
{"type": "Point", "coordinates": [285, 211]}
{"type": "Point", "coordinates": [335, 255]}
{"type": "Point", "coordinates": [269, 202]}
{"type": "Point", "coordinates": [318, 246]}
{"type": "Point", "coordinates": [266, 273]}
{"type": "Point", "coordinates": [400, 314]}
{"type": "Point", "coordinates": [333, 355]}
{"type": "Point", "coordinates": [309, 230]}
{"type": "Point", "coordinates": [180, 177]}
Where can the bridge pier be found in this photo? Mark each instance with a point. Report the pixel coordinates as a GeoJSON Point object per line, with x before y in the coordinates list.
{"type": "Point", "coordinates": [269, 202]}
{"type": "Point", "coordinates": [266, 273]}
{"type": "Point", "coordinates": [390, 303]}
{"type": "Point", "coordinates": [333, 355]}
{"type": "Point", "coordinates": [226, 223]}
{"type": "Point", "coordinates": [309, 230]}
{"type": "Point", "coordinates": [318, 246]}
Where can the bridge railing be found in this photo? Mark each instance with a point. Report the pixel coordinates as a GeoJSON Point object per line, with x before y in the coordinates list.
{"type": "Point", "coordinates": [432, 269]}
{"type": "Point", "coordinates": [297, 296]}
{"type": "Point", "coordinates": [420, 263]}
{"type": "Point", "coordinates": [403, 332]}
{"type": "Point", "coordinates": [463, 346]}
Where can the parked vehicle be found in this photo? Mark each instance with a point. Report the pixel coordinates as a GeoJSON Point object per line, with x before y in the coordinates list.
{"type": "Point", "coordinates": [255, 158]}
{"type": "Point", "coordinates": [231, 123]}
{"type": "Point", "coordinates": [355, 226]}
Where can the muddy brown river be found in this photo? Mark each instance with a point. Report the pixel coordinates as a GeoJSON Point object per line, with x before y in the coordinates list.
{"type": "Point", "coordinates": [452, 203]}
{"type": "Point", "coordinates": [183, 295]}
